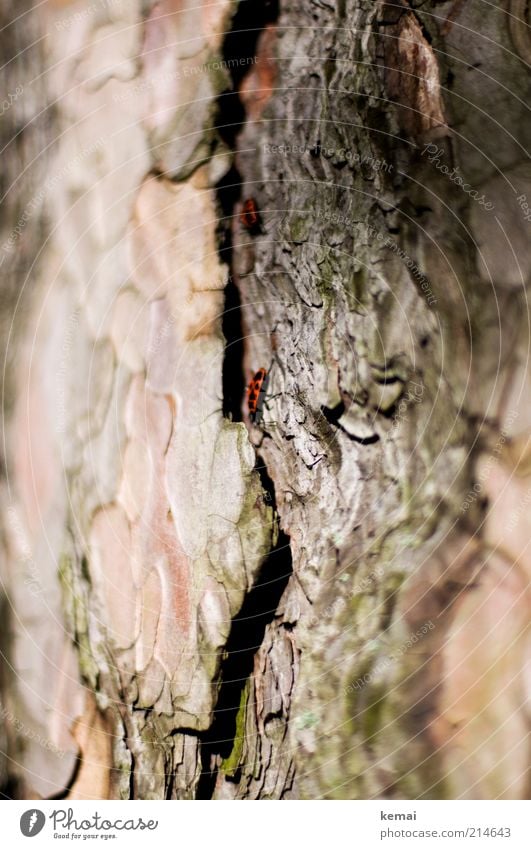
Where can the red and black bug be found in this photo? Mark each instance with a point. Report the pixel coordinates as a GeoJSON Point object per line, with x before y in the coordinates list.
{"type": "Point", "coordinates": [250, 217]}
{"type": "Point", "coordinates": [256, 393]}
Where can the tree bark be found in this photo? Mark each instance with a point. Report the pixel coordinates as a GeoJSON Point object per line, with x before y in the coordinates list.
{"type": "Point", "coordinates": [330, 600]}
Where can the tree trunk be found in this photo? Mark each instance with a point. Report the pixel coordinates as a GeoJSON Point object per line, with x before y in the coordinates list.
{"type": "Point", "coordinates": [329, 598]}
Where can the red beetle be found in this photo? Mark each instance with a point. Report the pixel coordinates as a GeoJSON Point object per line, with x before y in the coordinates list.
{"type": "Point", "coordinates": [250, 217]}
{"type": "Point", "coordinates": [256, 393]}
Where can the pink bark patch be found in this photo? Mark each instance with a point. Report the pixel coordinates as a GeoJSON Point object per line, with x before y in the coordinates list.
{"type": "Point", "coordinates": [157, 547]}
{"type": "Point", "coordinates": [110, 544]}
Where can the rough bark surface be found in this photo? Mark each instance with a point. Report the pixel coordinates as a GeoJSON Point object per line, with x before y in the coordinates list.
{"type": "Point", "coordinates": [330, 601]}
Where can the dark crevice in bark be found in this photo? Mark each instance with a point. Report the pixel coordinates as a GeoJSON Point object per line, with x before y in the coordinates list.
{"type": "Point", "coordinates": [392, 12]}
{"type": "Point", "coordinates": [391, 412]}
{"type": "Point", "coordinates": [260, 605]}
{"type": "Point", "coordinates": [132, 777]}
{"type": "Point", "coordinates": [9, 786]}
{"type": "Point", "coordinates": [387, 380]}
{"type": "Point", "coordinates": [239, 52]}
{"type": "Point", "coordinates": [363, 440]}
{"type": "Point", "coordinates": [399, 8]}
{"type": "Point", "coordinates": [12, 789]}
{"type": "Point", "coordinates": [62, 794]}
{"type": "Point", "coordinates": [233, 375]}
{"type": "Point", "coordinates": [246, 637]}
{"type": "Point", "coordinates": [333, 414]}
{"type": "Point", "coordinates": [170, 784]}
{"type": "Point", "coordinates": [250, 18]}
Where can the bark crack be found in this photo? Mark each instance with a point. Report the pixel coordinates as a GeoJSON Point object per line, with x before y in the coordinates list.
{"type": "Point", "coordinates": [246, 637]}
{"type": "Point", "coordinates": [239, 51]}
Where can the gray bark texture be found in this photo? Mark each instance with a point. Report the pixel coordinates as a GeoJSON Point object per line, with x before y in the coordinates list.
{"type": "Point", "coordinates": [328, 598]}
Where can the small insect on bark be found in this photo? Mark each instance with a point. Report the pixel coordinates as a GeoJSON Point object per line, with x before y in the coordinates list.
{"type": "Point", "coordinates": [256, 393]}
{"type": "Point", "coordinates": [250, 217]}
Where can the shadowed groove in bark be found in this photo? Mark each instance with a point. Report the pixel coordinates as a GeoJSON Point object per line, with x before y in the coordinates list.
{"type": "Point", "coordinates": [9, 784]}
{"type": "Point", "coordinates": [246, 636]}
{"type": "Point", "coordinates": [239, 49]}
{"type": "Point", "coordinates": [247, 632]}
{"type": "Point", "coordinates": [62, 794]}
{"type": "Point", "coordinates": [259, 608]}
{"type": "Point", "coordinates": [12, 790]}
{"type": "Point", "coordinates": [233, 379]}
{"type": "Point", "coordinates": [333, 415]}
